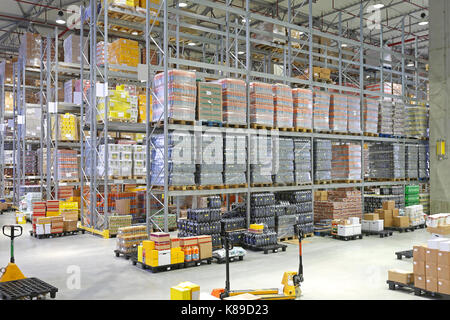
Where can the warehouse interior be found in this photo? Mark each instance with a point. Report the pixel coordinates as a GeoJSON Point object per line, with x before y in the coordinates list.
{"type": "Point", "coordinates": [148, 146]}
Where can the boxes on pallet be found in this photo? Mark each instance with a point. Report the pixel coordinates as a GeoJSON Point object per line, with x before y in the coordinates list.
{"type": "Point", "coordinates": [261, 104]}
{"type": "Point", "coordinates": [346, 161]}
{"type": "Point", "coordinates": [338, 113]}
{"type": "Point", "coordinates": [234, 159]}
{"type": "Point", "coordinates": [353, 114]}
{"type": "Point", "coordinates": [303, 108]}
{"type": "Point", "coordinates": [370, 115]}
{"type": "Point", "coordinates": [283, 106]}
{"type": "Point", "coordinates": [322, 160]}
{"type": "Point", "coordinates": [401, 276]}
{"type": "Point", "coordinates": [283, 162]}
{"type": "Point", "coordinates": [321, 110]}
{"type": "Point", "coordinates": [234, 101]}
{"type": "Point", "coordinates": [209, 103]}
{"type": "Point", "coordinates": [302, 161]}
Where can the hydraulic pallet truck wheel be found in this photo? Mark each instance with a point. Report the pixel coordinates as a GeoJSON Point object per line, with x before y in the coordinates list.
{"type": "Point", "coordinates": [12, 271]}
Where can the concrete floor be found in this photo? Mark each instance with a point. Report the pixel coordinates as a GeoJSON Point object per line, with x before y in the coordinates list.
{"type": "Point", "coordinates": [333, 269]}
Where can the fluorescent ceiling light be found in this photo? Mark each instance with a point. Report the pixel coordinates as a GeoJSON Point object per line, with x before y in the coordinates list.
{"type": "Point", "coordinates": [423, 23]}
{"type": "Point", "coordinates": [60, 21]}
{"type": "Point", "coordinates": [134, 33]}
{"type": "Point", "coordinates": [344, 45]}
{"type": "Point", "coordinates": [192, 44]}
{"type": "Point", "coordinates": [378, 6]}
{"type": "Point", "coordinates": [241, 52]}
{"type": "Point", "coordinates": [411, 64]}
{"type": "Point", "coordinates": [182, 4]}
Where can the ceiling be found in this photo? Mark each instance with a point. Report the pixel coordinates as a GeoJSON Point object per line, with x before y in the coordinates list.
{"type": "Point", "coordinates": [18, 16]}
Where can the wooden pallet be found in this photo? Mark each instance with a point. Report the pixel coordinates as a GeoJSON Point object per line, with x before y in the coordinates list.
{"type": "Point", "coordinates": [323, 182]}
{"type": "Point", "coordinates": [287, 129]}
{"type": "Point", "coordinates": [68, 180]}
{"type": "Point", "coordinates": [305, 130]}
{"type": "Point", "coordinates": [120, 177]}
{"type": "Point", "coordinates": [236, 126]}
{"type": "Point", "coordinates": [308, 235]}
{"type": "Point", "coordinates": [347, 181]}
{"type": "Point", "coordinates": [174, 121]}
{"type": "Point", "coordinates": [260, 126]}
{"type": "Point", "coordinates": [211, 187]}
{"type": "Point", "coordinates": [284, 184]}
{"type": "Point", "coordinates": [284, 239]}
{"type": "Point", "coordinates": [370, 134]}
{"type": "Point", "coordinates": [323, 131]}
{"type": "Point", "coordinates": [260, 185]}
{"type": "Point", "coordinates": [235, 186]}
{"type": "Point", "coordinates": [177, 188]}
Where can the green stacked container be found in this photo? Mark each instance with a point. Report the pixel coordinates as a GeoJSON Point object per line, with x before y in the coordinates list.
{"type": "Point", "coordinates": [412, 195]}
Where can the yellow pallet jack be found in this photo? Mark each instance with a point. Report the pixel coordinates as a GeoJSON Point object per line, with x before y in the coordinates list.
{"type": "Point", "coordinates": [291, 279]}
{"type": "Point", "coordinates": [12, 271]}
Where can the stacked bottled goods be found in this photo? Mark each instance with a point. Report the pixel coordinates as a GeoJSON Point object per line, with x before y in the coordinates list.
{"type": "Point", "coordinates": [303, 106]}
{"type": "Point", "coordinates": [283, 106]}
{"type": "Point", "coordinates": [129, 238]}
{"type": "Point", "coordinates": [234, 97]}
{"type": "Point", "coordinates": [261, 104]}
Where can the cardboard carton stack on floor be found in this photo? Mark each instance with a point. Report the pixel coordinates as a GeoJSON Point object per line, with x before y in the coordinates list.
{"type": "Point", "coordinates": [391, 216]}
{"type": "Point", "coordinates": [372, 223]}
{"type": "Point", "coordinates": [337, 204]}
{"type": "Point", "coordinates": [432, 265]}
{"type": "Point", "coordinates": [346, 227]}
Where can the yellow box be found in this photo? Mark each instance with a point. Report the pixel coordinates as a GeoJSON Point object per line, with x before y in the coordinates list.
{"type": "Point", "coordinates": [180, 257]}
{"type": "Point", "coordinates": [194, 289]}
{"type": "Point", "coordinates": [52, 214]}
{"type": "Point", "coordinates": [152, 263]}
{"type": "Point", "coordinates": [140, 253]}
{"type": "Point", "coordinates": [148, 245]}
{"type": "Point", "coordinates": [179, 293]}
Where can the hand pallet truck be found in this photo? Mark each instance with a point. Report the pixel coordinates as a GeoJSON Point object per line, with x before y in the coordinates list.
{"type": "Point", "coordinates": [291, 279]}
{"type": "Point", "coordinates": [13, 284]}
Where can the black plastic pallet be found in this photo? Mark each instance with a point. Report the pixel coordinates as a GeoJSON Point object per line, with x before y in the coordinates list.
{"type": "Point", "coordinates": [212, 123]}
{"type": "Point", "coordinates": [346, 238]}
{"type": "Point", "coordinates": [393, 285]}
{"type": "Point", "coordinates": [401, 230]}
{"type": "Point", "coordinates": [27, 288]}
{"type": "Point", "coordinates": [381, 234]}
{"type": "Point", "coordinates": [55, 235]}
{"type": "Point", "coordinates": [420, 226]}
{"type": "Point", "coordinates": [322, 233]}
{"type": "Point", "coordinates": [270, 248]}
{"type": "Point", "coordinates": [407, 254]}
{"type": "Point", "coordinates": [231, 259]}
{"type": "Point", "coordinates": [171, 266]}
{"type": "Point", "coordinates": [127, 256]}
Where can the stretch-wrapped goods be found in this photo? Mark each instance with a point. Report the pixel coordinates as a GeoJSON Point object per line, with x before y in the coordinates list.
{"type": "Point", "coordinates": [284, 108]}
{"type": "Point", "coordinates": [261, 104]}
{"type": "Point", "coordinates": [371, 115]}
{"type": "Point", "coordinates": [353, 114]}
{"type": "Point", "coordinates": [303, 108]}
{"type": "Point", "coordinates": [283, 161]}
{"type": "Point", "coordinates": [234, 101]}
{"type": "Point", "coordinates": [302, 161]}
{"type": "Point", "coordinates": [321, 110]}
{"type": "Point", "coordinates": [322, 160]}
{"type": "Point", "coordinates": [385, 118]}
{"type": "Point", "coordinates": [346, 162]}
{"type": "Point", "coordinates": [235, 159]}
{"type": "Point", "coordinates": [338, 113]}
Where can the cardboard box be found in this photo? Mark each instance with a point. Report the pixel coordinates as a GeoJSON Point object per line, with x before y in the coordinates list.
{"type": "Point", "coordinates": [443, 258]}
{"type": "Point", "coordinates": [401, 222]}
{"type": "Point", "coordinates": [389, 205]}
{"type": "Point", "coordinates": [419, 282]}
{"type": "Point", "coordinates": [419, 253]}
{"type": "Point", "coordinates": [430, 270]}
{"type": "Point", "coordinates": [204, 239]}
{"type": "Point", "coordinates": [377, 225]}
{"type": "Point", "coordinates": [366, 225]}
{"type": "Point", "coordinates": [123, 206]}
{"type": "Point", "coordinates": [401, 276]}
{"type": "Point", "coordinates": [388, 222]}
{"type": "Point", "coordinates": [47, 228]}
{"type": "Point", "coordinates": [395, 212]}
{"type": "Point", "coordinates": [189, 241]}
{"type": "Point", "coordinates": [371, 216]}
{"type": "Point", "coordinates": [321, 196]}
{"type": "Point", "coordinates": [70, 225]}
{"type": "Point", "coordinates": [40, 229]}
{"type": "Point", "coordinates": [162, 246]}
{"type": "Point", "coordinates": [419, 268]}
{"type": "Point", "coordinates": [443, 286]}
{"type": "Point", "coordinates": [345, 230]}
{"type": "Point", "coordinates": [431, 256]}
{"type": "Point", "coordinates": [443, 272]}
{"type": "Point", "coordinates": [160, 237]}
{"type": "Point", "coordinates": [175, 243]}
{"type": "Point", "coordinates": [431, 284]}
{"type": "Point", "coordinates": [205, 250]}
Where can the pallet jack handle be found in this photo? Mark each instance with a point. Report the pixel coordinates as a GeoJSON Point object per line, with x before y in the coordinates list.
{"type": "Point", "coordinates": [299, 277]}
{"type": "Point", "coordinates": [227, 245]}
{"type": "Point", "coordinates": [12, 234]}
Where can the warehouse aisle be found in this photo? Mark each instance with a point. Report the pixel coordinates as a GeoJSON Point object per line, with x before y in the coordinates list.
{"type": "Point", "coordinates": [333, 269]}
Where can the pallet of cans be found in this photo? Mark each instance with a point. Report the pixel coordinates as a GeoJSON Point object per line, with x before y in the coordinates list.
{"type": "Point", "coordinates": [234, 101]}
{"type": "Point", "coordinates": [261, 104]}
{"type": "Point", "coordinates": [303, 108]}
{"type": "Point", "coordinates": [283, 106]}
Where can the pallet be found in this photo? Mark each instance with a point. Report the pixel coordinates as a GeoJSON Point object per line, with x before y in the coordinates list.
{"type": "Point", "coordinates": [420, 226]}
{"type": "Point", "coordinates": [308, 235]}
{"type": "Point", "coordinates": [305, 130]}
{"type": "Point", "coordinates": [261, 126]}
{"type": "Point", "coordinates": [230, 259]}
{"type": "Point", "coordinates": [381, 234]}
{"type": "Point", "coordinates": [287, 129]}
{"type": "Point", "coordinates": [170, 267]}
{"type": "Point", "coordinates": [401, 230]}
{"type": "Point", "coordinates": [120, 177]}
{"type": "Point", "coordinates": [323, 131]}
{"type": "Point", "coordinates": [323, 182]}
{"type": "Point", "coordinates": [212, 123]}
{"type": "Point", "coordinates": [235, 186]}
{"type": "Point", "coordinates": [176, 188]}
{"type": "Point", "coordinates": [139, 177]}
{"type": "Point", "coordinates": [370, 134]}
{"type": "Point", "coordinates": [69, 180]}
{"type": "Point", "coordinates": [55, 235]}
{"type": "Point", "coordinates": [346, 181]}
{"type": "Point", "coordinates": [27, 288]}
{"type": "Point", "coordinates": [291, 184]}
{"type": "Point", "coordinates": [393, 285]}
{"type": "Point", "coordinates": [260, 185]}
{"type": "Point", "coordinates": [266, 249]}
{"type": "Point", "coordinates": [346, 238]}
{"type": "Point", "coordinates": [322, 233]}
{"type": "Point", "coordinates": [407, 254]}
{"type": "Point", "coordinates": [211, 187]}
{"type": "Point", "coordinates": [174, 121]}
{"type": "Point", "coordinates": [283, 239]}
{"type": "Point", "coordinates": [236, 126]}
{"type": "Point", "coordinates": [127, 256]}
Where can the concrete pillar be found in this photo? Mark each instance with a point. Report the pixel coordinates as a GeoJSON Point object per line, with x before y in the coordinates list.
{"type": "Point", "coordinates": [439, 57]}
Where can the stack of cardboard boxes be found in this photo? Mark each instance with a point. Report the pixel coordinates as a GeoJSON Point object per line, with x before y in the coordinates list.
{"type": "Point", "coordinates": [209, 103]}
{"type": "Point", "coordinates": [54, 216]}
{"type": "Point", "coordinates": [432, 266]}
{"type": "Point", "coordinates": [372, 222]}
{"type": "Point", "coordinates": [346, 227]}
{"type": "Point", "coordinates": [337, 204]}
{"type": "Point", "coordinates": [391, 216]}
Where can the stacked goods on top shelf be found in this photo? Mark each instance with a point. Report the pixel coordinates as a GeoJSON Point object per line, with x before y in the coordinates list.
{"type": "Point", "coordinates": [182, 95]}
{"type": "Point", "coordinates": [370, 115]}
{"type": "Point", "coordinates": [322, 160]}
{"type": "Point", "coordinates": [234, 97]}
{"type": "Point", "coordinates": [412, 161]}
{"type": "Point", "coordinates": [353, 114]}
{"type": "Point", "coordinates": [321, 110]}
{"type": "Point", "coordinates": [412, 195]}
{"type": "Point", "coordinates": [261, 104]}
{"type": "Point", "coordinates": [303, 108]}
{"type": "Point", "coordinates": [416, 121]}
{"type": "Point", "coordinates": [124, 52]}
{"type": "Point", "coordinates": [302, 161]}
{"type": "Point", "coordinates": [33, 122]}
{"type": "Point", "coordinates": [284, 108]}
{"type": "Point", "coordinates": [209, 104]}
{"type": "Point", "coordinates": [337, 204]}
{"type": "Point", "coordinates": [283, 161]}
{"type": "Point", "coordinates": [209, 155]}
{"type": "Point", "coordinates": [129, 238]}
{"type": "Point", "coordinates": [386, 161]}
{"type": "Point", "coordinates": [338, 113]}
{"type": "Point", "coordinates": [67, 128]}
{"type": "Point", "coordinates": [181, 159]}
{"type": "Point", "coordinates": [139, 163]}
{"type": "Point", "coordinates": [423, 162]}
{"type": "Point", "coordinates": [203, 221]}
{"type": "Point", "coordinates": [122, 105]}
{"type": "Point", "coordinates": [235, 159]}
{"type": "Point", "coordinates": [30, 49]}
{"type": "Point", "coordinates": [71, 47]}
{"type": "Point", "coordinates": [261, 159]}
{"type": "Point", "coordinates": [346, 161]}
{"type": "Point", "coordinates": [297, 210]}
{"type": "Point", "coordinates": [399, 118]}
{"type": "Point", "coordinates": [385, 117]}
